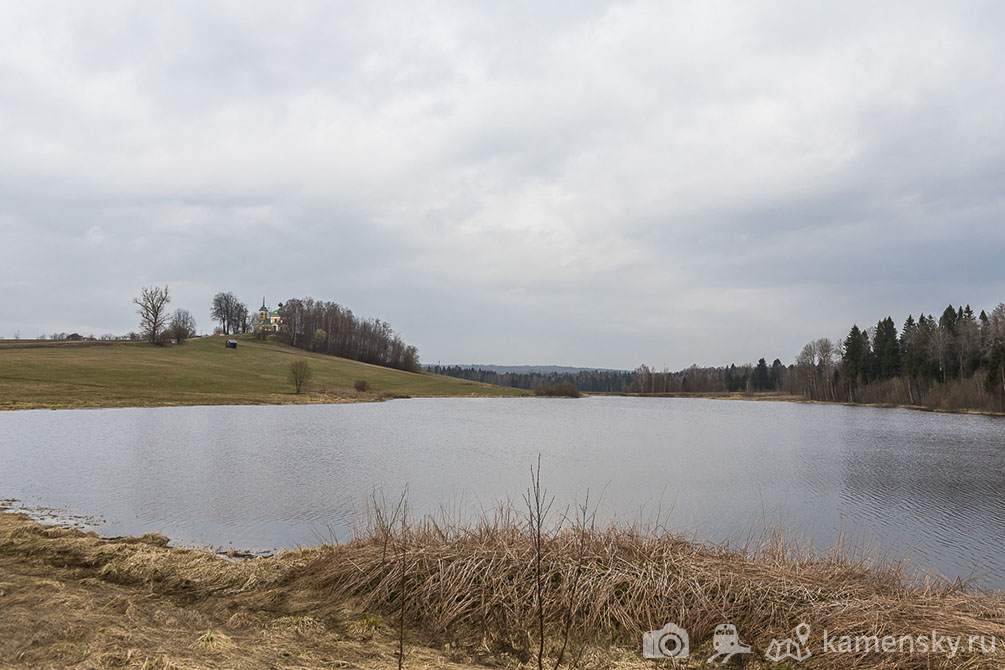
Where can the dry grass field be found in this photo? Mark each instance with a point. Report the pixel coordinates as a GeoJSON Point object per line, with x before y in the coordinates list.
{"type": "Point", "coordinates": [37, 375]}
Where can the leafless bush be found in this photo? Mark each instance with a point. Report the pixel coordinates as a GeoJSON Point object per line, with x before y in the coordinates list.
{"type": "Point", "coordinates": [300, 374]}
{"type": "Point", "coordinates": [561, 389]}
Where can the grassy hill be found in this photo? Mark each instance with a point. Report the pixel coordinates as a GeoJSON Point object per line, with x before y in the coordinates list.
{"type": "Point", "coordinates": [198, 372]}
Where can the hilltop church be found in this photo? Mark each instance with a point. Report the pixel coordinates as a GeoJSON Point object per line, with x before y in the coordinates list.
{"type": "Point", "coordinates": [270, 320]}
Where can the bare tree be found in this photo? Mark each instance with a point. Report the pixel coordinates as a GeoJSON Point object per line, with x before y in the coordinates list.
{"type": "Point", "coordinates": [806, 369]}
{"type": "Point", "coordinates": [182, 325]}
{"type": "Point", "coordinates": [826, 356]}
{"type": "Point", "coordinates": [642, 379]}
{"type": "Point", "coordinates": [221, 310]}
{"type": "Point", "coordinates": [300, 374]}
{"type": "Point", "coordinates": [243, 320]}
{"type": "Point", "coordinates": [153, 311]}
{"type": "Point", "coordinates": [996, 325]}
{"type": "Point", "coordinates": [939, 342]}
{"type": "Point", "coordinates": [231, 313]}
{"type": "Point", "coordinates": [968, 342]}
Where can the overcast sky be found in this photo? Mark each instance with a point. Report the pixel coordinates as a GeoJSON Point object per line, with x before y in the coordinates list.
{"type": "Point", "coordinates": [581, 183]}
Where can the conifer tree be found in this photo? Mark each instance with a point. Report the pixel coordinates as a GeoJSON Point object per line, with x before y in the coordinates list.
{"type": "Point", "coordinates": [887, 350]}
{"type": "Point", "coordinates": [854, 357]}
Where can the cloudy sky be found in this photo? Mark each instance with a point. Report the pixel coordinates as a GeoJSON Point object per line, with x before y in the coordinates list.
{"type": "Point", "coordinates": [574, 182]}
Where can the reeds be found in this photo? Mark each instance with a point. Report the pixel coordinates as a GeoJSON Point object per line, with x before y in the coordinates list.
{"type": "Point", "coordinates": [512, 582]}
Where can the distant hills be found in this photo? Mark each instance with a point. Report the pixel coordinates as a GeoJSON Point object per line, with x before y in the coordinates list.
{"type": "Point", "coordinates": [525, 369]}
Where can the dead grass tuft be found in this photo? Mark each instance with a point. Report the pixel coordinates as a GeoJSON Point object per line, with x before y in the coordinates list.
{"type": "Point", "coordinates": [161, 663]}
{"type": "Point", "coordinates": [367, 627]}
{"type": "Point", "coordinates": [212, 642]}
{"type": "Point", "coordinates": [302, 625]}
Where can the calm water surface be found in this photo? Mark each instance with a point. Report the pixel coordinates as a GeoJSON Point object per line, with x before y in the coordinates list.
{"type": "Point", "coordinates": [926, 486]}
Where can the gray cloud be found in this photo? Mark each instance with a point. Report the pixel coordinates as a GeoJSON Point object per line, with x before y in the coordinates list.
{"type": "Point", "coordinates": [586, 183]}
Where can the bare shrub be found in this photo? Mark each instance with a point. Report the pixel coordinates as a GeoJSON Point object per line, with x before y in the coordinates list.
{"type": "Point", "coordinates": [361, 385]}
{"type": "Point", "coordinates": [300, 374]}
{"type": "Point", "coordinates": [561, 389]}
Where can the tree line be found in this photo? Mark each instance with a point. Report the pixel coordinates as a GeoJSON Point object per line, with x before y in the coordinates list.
{"type": "Point", "coordinates": [955, 361]}
{"type": "Point", "coordinates": [314, 325]}
{"type": "Point", "coordinates": [590, 381]}
{"type": "Point", "coordinates": [696, 379]}
{"type": "Point", "coordinates": [330, 328]}
{"type": "Point", "coordinates": [951, 362]}
{"type": "Point", "coordinates": [643, 380]}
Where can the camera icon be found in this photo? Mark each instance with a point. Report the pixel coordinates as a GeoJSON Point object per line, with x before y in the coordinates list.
{"type": "Point", "coordinates": [671, 641]}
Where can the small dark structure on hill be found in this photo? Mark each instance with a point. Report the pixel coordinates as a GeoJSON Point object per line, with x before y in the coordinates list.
{"type": "Point", "coordinates": [232, 344]}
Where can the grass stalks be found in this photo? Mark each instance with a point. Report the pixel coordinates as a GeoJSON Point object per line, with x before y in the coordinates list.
{"type": "Point", "coordinates": [519, 587]}
{"type": "Point", "coordinates": [402, 569]}
{"type": "Point", "coordinates": [574, 584]}
{"type": "Point", "coordinates": [538, 507]}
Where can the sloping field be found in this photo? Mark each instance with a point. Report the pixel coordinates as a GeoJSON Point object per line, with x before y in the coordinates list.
{"type": "Point", "coordinates": [198, 372]}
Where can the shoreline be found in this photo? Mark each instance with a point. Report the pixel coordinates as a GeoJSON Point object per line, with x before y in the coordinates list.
{"type": "Point", "coordinates": [771, 396]}
{"type": "Point", "coordinates": [350, 398]}
{"type": "Point", "coordinates": [353, 397]}
{"type": "Point", "coordinates": [73, 599]}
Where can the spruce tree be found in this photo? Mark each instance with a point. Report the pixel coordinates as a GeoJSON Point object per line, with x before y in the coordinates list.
{"type": "Point", "coordinates": [854, 356]}
{"type": "Point", "coordinates": [761, 379]}
{"type": "Point", "coordinates": [777, 370]}
{"type": "Point", "coordinates": [887, 350]}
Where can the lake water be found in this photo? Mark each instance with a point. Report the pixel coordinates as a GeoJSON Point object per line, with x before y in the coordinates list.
{"type": "Point", "coordinates": [929, 487]}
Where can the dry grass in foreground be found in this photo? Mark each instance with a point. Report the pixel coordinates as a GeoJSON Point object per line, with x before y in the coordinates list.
{"type": "Point", "coordinates": [469, 596]}
{"type": "Point", "coordinates": [72, 600]}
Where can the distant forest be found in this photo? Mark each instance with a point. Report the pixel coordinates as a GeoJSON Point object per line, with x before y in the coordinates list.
{"type": "Point", "coordinates": [641, 380]}
{"type": "Point", "coordinates": [591, 381]}
{"type": "Point", "coordinates": [953, 362]}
